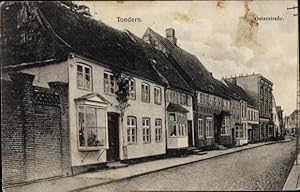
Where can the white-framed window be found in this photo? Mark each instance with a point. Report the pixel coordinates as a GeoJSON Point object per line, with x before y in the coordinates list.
{"type": "Point", "coordinates": [214, 101]}
{"type": "Point", "coordinates": [241, 130]}
{"type": "Point", "coordinates": [189, 100]}
{"type": "Point", "coordinates": [177, 124]}
{"type": "Point", "coordinates": [109, 83]}
{"type": "Point", "coordinates": [131, 130]}
{"type": "Point", "coordinates": [210, 99]}
{"type": "Point", "coordinates": [176, 98]}
{"type": "Point", "coordinates": [181, 129]}
{"type": "Point", "coordinates": [183, 99]}
{"type": "Point", "coordinates": [225, 125]}
{"type": "Point", "coordinates": [220, 103]}
{"type": "Point", "coordinates": [242, 115]}
{"type": "Point", "coordinates": [158, 130]}
{"type": "Point", "coordinates": [157, 95]}
{"type": "Point", "coordinates": [145, 92]}
{"type": "Point", "coordinates": [209, 127]}
{"type": "Point", "coordinates": [146, 130]}
{"type": "Point", "coordinates": [171, 94]}
{"type": "Point", "coordinates": [237, 111]}
{"type": "Point", "coordinates": [172, 125]}
{"type": "Point", "coordinates": [91, 127]}
{"type": "Point", "coordinates": [202, 98]}
{"type": "Point", "coordinates": [200, 127]}
{"type": "Point", "coordinates": [132, 89]}
{"type": "Point", "coordinates": [84, 76]}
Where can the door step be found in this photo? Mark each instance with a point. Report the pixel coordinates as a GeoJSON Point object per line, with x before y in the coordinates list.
{"type": "Point", "coordinates": [201, 153]}
{"type": "Point", "coordinates": [116, 164]}
{"type": "Point", "coordinates": [196, 151]}
{"type": "Point", "coordinates": [220, 147]}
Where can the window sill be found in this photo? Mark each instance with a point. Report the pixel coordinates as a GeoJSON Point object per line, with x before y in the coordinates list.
{"type": "Point", "coordinates": [93, 148]}
{"type": "Point", "coordinates": [132, 143]}
{"type": "Point", "coordinates": [177, 136]}
{"type": "Point", "coordinates": [158, 142]}
{"type": "Point", "coordinates": [209, 137]}
{"type": "Point", "coordinates": [146, 142]}
{"type": "Point", "coordinates": [86, 89]}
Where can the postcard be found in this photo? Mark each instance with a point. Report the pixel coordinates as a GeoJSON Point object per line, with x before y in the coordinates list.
{"type": "Point", "coordinates": [150, 95]}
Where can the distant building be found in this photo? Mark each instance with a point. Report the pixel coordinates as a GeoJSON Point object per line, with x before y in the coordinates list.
{"type": "Point", "coordinates": [260, 90]}
{"type": "Point", "coordinates": [291, 122]}
{"type": "Point", "coordinates": [279, 111]}
{"type": "Point", "coordinates": [277, 119]}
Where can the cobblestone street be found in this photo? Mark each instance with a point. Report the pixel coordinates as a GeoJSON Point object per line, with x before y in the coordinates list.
{"type": "Point", "coordinates": [262, 168]}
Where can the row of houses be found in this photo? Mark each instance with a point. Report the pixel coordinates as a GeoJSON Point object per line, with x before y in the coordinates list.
{"type": "Point", "coordinates": [89, 94]}
{"type": "Point", "coordinates": [291, 122]}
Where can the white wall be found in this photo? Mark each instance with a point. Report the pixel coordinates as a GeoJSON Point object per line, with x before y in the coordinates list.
{"type": "Point", "coordinates": [180, 142]}
{"type": "Point", "coordinates": [48, 73]}
{"type": "Point", "coordinates": [137, 108]}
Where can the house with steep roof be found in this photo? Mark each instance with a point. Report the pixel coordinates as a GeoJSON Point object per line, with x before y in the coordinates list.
{"type": "Point", "coordinates": [291, 122]}
{"type": "Point", "coordinates": [178, 99]}
{"type": "Point", "coordinates": [93, 60]}
{"type": "Point", "coordinates": [246, 114]}
{"type": "Point", "coordinates": [211, 99]}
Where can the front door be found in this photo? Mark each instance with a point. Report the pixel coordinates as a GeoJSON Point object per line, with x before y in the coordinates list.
{"type": "Point", "coordinates": [113, 137]}
{"type": "Point", "coordinates": [249, 135]}
{"type": "Point", "coordinates": [233, 136]}
{"type": "Point", "coordinates": [190, 133]}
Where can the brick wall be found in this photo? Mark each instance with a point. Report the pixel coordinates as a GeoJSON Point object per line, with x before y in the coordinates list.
{"type": "Point", "coordinates": [12, 140]}
{"type": "Point", "coordinates": [34, 127]}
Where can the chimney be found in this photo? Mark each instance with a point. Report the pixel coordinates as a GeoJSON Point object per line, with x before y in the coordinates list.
{"type": "Point", "coordinates": [170, 34]}
{"type": "Point", "coordinates": [234, 80]}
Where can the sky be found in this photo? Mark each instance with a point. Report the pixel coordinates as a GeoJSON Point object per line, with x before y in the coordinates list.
{"type": "Point", "coordinates": [224, 35]}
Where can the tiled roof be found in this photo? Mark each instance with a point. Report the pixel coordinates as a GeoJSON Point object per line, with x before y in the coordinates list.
{"type": "Point", "coordinates": [94, 40]}
{"type": "Point", "coordinates": [196, 73]}
{"type": "Point", "coordinates": [239, 93]}
{"type": "Point", "coordinates": [294, 113]}
{"type": "Point", "coordinates": [98, 41]}
{"type": "Point", "coordinates": [163, 65]}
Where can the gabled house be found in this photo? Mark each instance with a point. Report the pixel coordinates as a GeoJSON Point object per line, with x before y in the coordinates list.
{"type": "Point", "coordinates": [178, 100]}
{"type": "Point", "coordinates": [291, 122]}
{"type": "Point", "coordinates": [56, 44]}
{"type": "Point", "coordinates": [211, 99]}
{"type": "Point", "coordinates": [246, 129]}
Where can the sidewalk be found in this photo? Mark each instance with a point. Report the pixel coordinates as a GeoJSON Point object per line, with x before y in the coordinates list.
{"type": "Point", "coordinates": [293, 181]}
{"type": "Point", "coordinates": [101, 177]}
